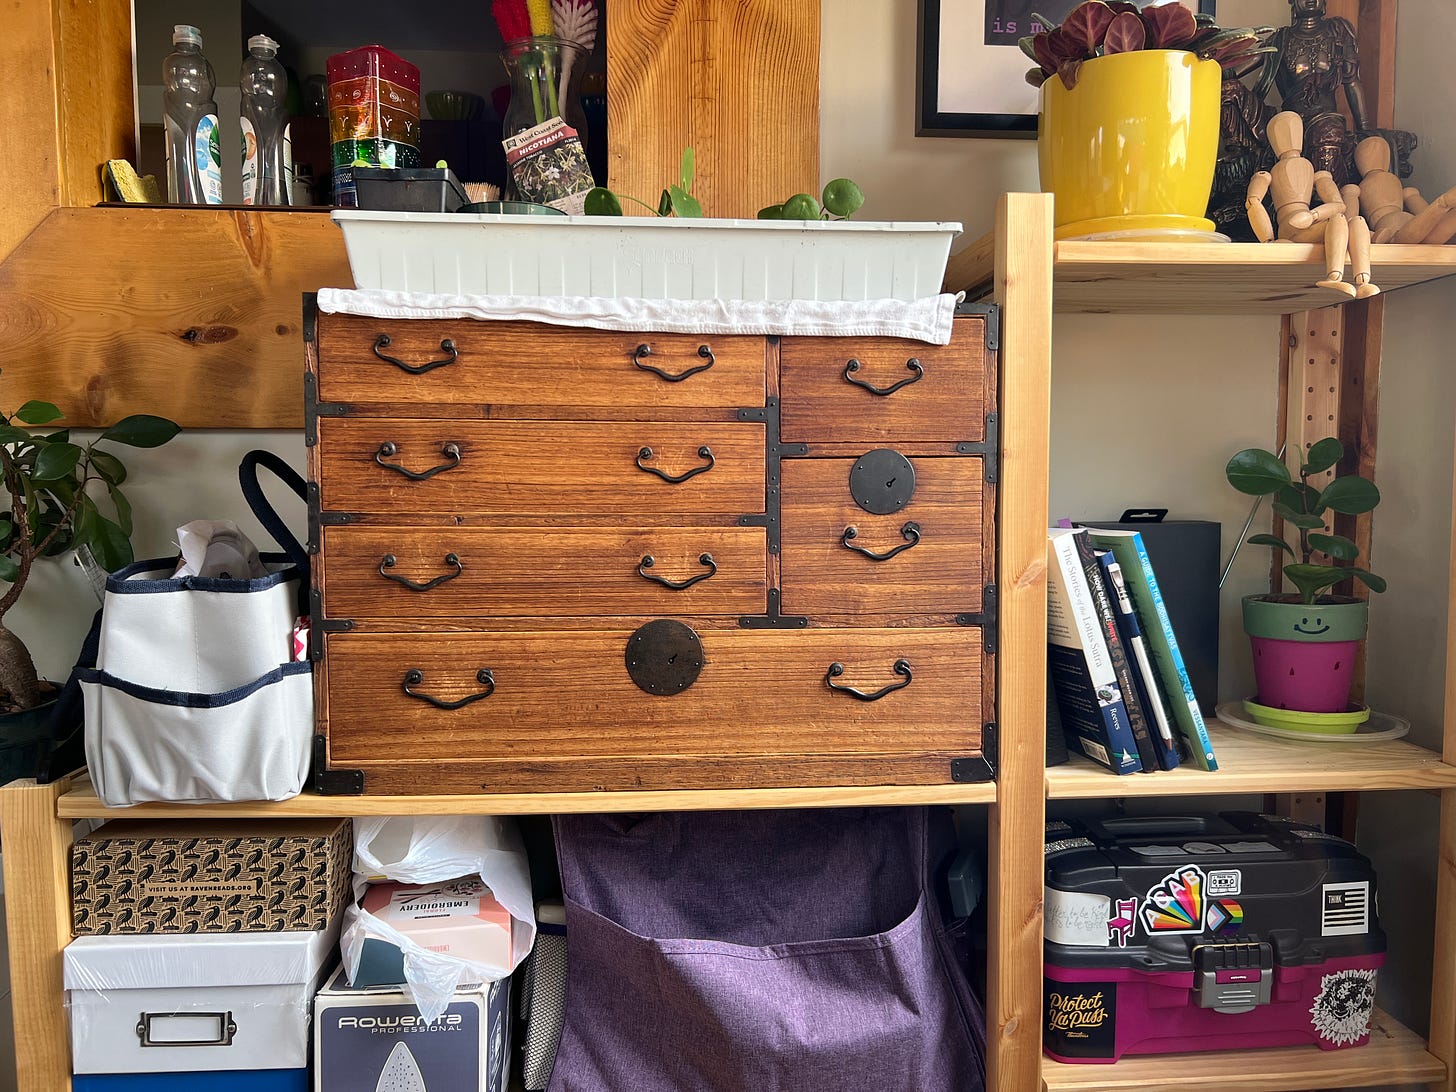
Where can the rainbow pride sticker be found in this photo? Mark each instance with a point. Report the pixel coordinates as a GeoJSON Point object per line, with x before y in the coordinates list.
{"type": "Point", "coordinates": [1225, 916]}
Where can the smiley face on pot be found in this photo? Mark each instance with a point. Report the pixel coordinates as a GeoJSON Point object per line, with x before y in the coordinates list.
{"type": "Point", "coordinates": [1302, 626]}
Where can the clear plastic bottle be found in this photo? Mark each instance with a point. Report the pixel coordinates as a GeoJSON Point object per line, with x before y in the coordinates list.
{"type": "Point", "coordinates": [194, 160]}
{"type": "Point", "coordinates": [264, 87]}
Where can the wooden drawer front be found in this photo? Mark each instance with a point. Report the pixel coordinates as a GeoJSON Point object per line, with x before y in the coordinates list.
{"type": "Point", "coordinates": [543, 572]}
{"type": "Point", "coordinates": [529, 364]}
{"type": "Point", "coordinates": [941, 573]}
{"type": "Point", "coordinates": [539, 468]}
{"type": "Point", "coordinates": [567, 694]}
{"type": "Point", "coordinates": [947, 402]}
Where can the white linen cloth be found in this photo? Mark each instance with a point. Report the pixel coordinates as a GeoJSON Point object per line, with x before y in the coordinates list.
{"type": "Point", "coordinates": [927, 319]}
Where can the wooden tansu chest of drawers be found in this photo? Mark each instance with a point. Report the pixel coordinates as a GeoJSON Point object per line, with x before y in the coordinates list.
{"type": "Point", "coordinates": [554, 559]}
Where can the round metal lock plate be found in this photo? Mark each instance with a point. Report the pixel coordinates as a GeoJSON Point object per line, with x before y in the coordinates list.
{"type": "Point", "coordinates": [882, 482]}
{"type": "Point", "coordinates": [664, 657]}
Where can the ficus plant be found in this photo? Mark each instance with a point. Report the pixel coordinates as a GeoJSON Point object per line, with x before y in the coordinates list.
{"type": "Point", "coordinates": [1101, 28]}
{"type": "Point", "coordinates": [1304, 507]}
{"type": "Point", "coordinates": [57, 490]}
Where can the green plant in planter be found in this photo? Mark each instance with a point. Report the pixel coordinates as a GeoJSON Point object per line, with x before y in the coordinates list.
{"type": "Point", "coordinates": [1301, 505]}
{"type": "Point", "coordinates": [839, 200]}
{"type": "Point", "coordinates": [54, 487]}
{"type": "Point", "coordinates": [1100, 28]}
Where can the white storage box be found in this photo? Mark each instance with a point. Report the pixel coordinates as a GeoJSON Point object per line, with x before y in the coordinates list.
{"type": "Point", "coordinates": [195, 1002]}
{"type": "Point", "coordinates": [375, 1039]}
{"type": "Point", "coordinates": [644, 257]}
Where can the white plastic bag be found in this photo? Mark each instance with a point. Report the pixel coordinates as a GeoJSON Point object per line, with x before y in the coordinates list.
{"type": "Point", "coordinates": [429, 849]}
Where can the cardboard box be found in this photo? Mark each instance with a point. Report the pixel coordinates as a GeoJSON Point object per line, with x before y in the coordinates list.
{"type": "Point", "coordinates": [376, 1039]}
{"type": "Point", "coordinates": [211, 876]}
{"type": "Point", "coordinates": [460, 918]}
{"type": "Point", "coordinates": [209, 1002]}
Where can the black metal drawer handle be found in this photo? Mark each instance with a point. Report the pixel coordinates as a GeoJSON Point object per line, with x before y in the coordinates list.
{"type": "Point", "coordinates": [902, 667]}
{"type": "Point", "coordinates": [389, 449]}
{"type": "Point", "coordinates": [704, 452]}
{"type": "Point", "coordinates": [414, 676]}
{"type": "Point", "coordinates": [677, 585]}
{"type": "Point", "coordinates": [643, 351]}
{"type": "Point", "coordinates": [446, 346]}
{"type": "Point", "coordinates": [911, 533]}
{"type": "Point", "coordinates": [389, 560]}
{"type": "Point", "coordinates": [913, 364]}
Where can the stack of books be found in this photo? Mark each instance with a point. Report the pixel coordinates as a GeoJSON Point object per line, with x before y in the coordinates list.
{"type": "Point", "coordinates": [1120, 683]}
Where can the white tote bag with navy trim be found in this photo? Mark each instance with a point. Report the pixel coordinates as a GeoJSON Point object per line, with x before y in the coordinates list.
{"type": "Point", "coordinates": [191, 691]}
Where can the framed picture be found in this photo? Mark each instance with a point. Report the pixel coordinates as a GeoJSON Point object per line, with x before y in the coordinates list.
{"type": "Point", "coordinates": [972, 77]}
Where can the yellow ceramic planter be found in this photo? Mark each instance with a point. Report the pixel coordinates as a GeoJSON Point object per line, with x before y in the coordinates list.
{"type": "Point", "coordinates": [1132, 147]}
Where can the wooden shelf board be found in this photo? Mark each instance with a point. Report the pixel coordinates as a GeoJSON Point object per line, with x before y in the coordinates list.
{"type": "Point", "coordinates": [81, 802]}
{"type": "Point", "coordinates": [1258, 764]}
{"type": "Point", "coordinates": [1201, 278]}
{"type": "Point", "coordinates": [1395, 1055]}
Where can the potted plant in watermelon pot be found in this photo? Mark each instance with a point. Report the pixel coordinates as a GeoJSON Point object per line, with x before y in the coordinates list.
{"type": "Point", "coordinates": [1304, 642]}
{"type": "Point", "coordinates": [59, 494]}
{"type": "Point", "coordinates": [1129, 126]}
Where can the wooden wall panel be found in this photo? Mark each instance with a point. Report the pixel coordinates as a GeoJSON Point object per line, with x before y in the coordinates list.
{"type": "Point", "coordinates": [738, 82]}
{"type": "Point", "coordinates": [94, 93]}
{"type": "Point", "coordinates": [30, 168]}
{"type": "Point", "coordinates": [190, 313]}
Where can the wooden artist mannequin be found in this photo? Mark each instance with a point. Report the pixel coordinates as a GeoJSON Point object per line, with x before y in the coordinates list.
{"type": "Point", "coordinates": [1399, 214]}
{"type": "Point", "coordinates": [1294, 182]}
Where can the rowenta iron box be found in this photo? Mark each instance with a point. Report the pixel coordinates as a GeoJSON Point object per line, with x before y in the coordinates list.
{"type": "Point", "coordinates": [1206, 933]}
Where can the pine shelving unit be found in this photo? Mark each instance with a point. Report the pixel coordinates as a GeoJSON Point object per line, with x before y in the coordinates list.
{"type": "Point", "coordinates": [1013, 264]}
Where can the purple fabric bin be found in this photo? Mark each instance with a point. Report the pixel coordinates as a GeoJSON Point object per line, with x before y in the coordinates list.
{"type": "Point", "coordinates": [773, 950]}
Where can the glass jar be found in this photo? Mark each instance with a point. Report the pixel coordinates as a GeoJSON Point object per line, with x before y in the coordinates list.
{"type": "Point", "coordinates": [545, 74]}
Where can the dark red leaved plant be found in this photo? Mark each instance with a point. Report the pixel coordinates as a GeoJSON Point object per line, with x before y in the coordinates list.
{"type": "Point", "coordinates": [1099, 28]}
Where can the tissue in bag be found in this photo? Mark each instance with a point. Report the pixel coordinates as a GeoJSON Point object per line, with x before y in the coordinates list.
{"type": "Point", "coordinates": [458, 918]}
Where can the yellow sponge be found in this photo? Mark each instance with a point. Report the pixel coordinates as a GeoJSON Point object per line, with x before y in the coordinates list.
{"type": "Point", "coordinates": [129, 187]}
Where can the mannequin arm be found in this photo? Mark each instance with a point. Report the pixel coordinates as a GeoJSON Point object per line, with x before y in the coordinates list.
{"type": "Point", "coordinates": [1254, 205]}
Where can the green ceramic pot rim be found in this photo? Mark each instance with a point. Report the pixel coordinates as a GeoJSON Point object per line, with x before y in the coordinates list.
{"type": "Point", "coordinates": [1334, 618]}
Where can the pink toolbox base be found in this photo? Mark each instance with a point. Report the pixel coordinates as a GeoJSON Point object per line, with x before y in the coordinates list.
{"type": "Point", "coordinates": [1155, 1013]}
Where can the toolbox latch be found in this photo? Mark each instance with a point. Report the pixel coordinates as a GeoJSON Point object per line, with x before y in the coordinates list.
{"type": "Point", "coordinates": [1234, 977]}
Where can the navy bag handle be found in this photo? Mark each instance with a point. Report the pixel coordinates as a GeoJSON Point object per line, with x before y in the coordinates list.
{"type": "Point", "coordinates": [269, 517]}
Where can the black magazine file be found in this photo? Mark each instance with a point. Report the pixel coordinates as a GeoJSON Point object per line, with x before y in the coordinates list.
{"type": "Point", "coordinates": [1185, 556]}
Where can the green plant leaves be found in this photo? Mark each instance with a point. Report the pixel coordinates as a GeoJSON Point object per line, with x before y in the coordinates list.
{"type": "Point", "coordinates": [771, 212]}
{"type": "Point", "coordinates": [689, 162]}
{"type": "Point", "coordinates": [1313, 579]}
{"type": "Point", "coordinates": [38, 413]}
{"type": "Point", "coordinates": [1304, 521]}
{"type": "Point", "coordinates": [1323, 455]}
{"type": "Point", "coordinates": [664, 203]}
{"type": "Point", "coordinates": [802, 206]}
{"type": "Point", "coordinates": [142, 430]}
{"type": "Point", "coordinates": [9, 570]}
{"type": "Point", "coordinates": [55, 461]}
{"type": "Point", "coordinates": [843, 197]}
{"type": "Point", "coordinates": [111, 469]}
{"type": "Point", "coordinates": [1257, 472]}
{"type": "Point", "coordinates": [1169, 26]}
{"type": "Point", "coordinates": [1337, 546]}
{"type": "Point", "coordinates": [123, 509]}
{"type": "Point", "coordinates": [1369, 579]}
{"type": "Point", "coordinates": [601, 202]}
{"type": "Point", "coordinates": [1351, 495]}
{"type": "Point", "coordinates": [1272, 540]}
{"type": "Point", "coordinates": [684, 203]}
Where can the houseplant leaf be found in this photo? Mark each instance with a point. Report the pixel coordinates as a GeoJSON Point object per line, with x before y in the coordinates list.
{"type": "Point", "coordinates": [843, 197]}
{"type": "Point", "coordinates": [1087, 25]}
{"type": "Point", "coordinates": [1351, 495]}
{"type": "Point", "coordinates": [1304, 521]}
{"type": "Point", "coordinates": [664, 203]}
{"type": "Point", "coordinates": [689, 162]}
{"type": "Point", "coordinates": [1300, 497]}
{"type": "Point", "coordinates": [1256, 472]}
{"type": "Point", "coordinates": [9, 570]}
{"type": "Point", "coordinates": [685, 204]}
{"type": "Point", "coordinates": [55, 461]}
{"type": "Point", "coordinates": [1337, 546]}
{"type": "Point", "coordinates": [123, 509]}
{"type": "Point", "coordinates": [601, 202]}
{"type": "Point", "coordinates": [1125, 35]}
{"type": "Point", "coordinates": [141, 430]}
{"type": "Point", "coordinates": [1169, 26]}
{"type": "Point", "coordinates": [38, 413]}
{"type": "Point", "coordinates": [1323, 455]}
{"type": "Point", "coordinates": [1272, 540]}
{"type": "Point", "coordinates": [771, 212]}
{"type": "Point", "coordinates": [1312, 579]}
{"type": "Point", "coordinates": [1369, 579]}
{"type": "Point", "coordinates": [111, 469]}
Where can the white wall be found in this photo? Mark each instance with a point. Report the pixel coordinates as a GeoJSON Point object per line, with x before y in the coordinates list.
{"type": "Point", "coordinates": [1406, 657]}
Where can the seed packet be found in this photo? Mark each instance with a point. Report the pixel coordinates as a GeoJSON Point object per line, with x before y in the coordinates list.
{"type": "Point", "coordinates": [549, 166]}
